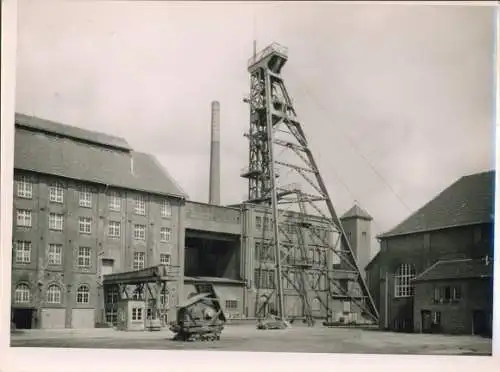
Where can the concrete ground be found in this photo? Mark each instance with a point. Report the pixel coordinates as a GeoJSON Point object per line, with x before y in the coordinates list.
{"type": "Point", "coordinates": [246, 337]}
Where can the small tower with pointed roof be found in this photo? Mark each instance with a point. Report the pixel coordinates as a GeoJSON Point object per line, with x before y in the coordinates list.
{"type": "Point", "coordinates": [357, 226]}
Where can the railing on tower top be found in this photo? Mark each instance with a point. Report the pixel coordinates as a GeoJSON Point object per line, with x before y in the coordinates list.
{"type": "Point", "coordinates": [273, 48]}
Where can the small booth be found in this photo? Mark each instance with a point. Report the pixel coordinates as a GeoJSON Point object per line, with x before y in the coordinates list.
{"type": "Point", "coordinates": [142, 297]}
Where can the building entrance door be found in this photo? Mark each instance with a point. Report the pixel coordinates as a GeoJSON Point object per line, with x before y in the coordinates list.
{"type": "Point", "coordinates": [479, 323]}
{"type": "Point", "coordinates": [23, 318]}
{"type": "Point", "coordinates": [426, 319]}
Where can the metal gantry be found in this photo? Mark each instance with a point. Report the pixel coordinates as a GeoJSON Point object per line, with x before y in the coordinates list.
{"type": "Point", "coordinates": [283, 175]}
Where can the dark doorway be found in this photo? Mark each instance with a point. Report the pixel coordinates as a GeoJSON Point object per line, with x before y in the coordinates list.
{"type": "Point", "coordinates": [480, 323]}
{"type": "Point", "coordinates": [23, 318]}
{"type": "Point", "coordinates": [426, 321]}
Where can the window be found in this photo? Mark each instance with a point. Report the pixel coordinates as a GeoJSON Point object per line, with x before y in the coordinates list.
{"type": "Point", "coordinates": [231, 304]}
{"type": "Point", "coordinates": [266, 222]}
{"type": "Point", "coordinates": [140, 232]}
{"type": "Point", "coordinates": [258, 222]}
{"type": "Point", "coordinates": [54, 294]}
{"type": "Point", "coordinates": [347, 306]}
{"type": "Point", "coordinates": [436, 318]}
{"type": "Point", "coordinates": [85, 197]}
{"type": "Point", "coordinates": [456, 294]}
{"type": "Point", "coordinates": [114, 201]}
{"type": "Point", "coordinates": [22, 295]}
{"type": "Point", "coordinates": [114, 229]}
{"type": "Point", "coordinates": [258, 250]}
{"type": "Point", "coordinates": [84, 255]}
{"type": "Point", "coordinates": [402, 280]}
{"type": "Point", "coordinates": [316, 304]}
{"type": "Point", "coordinates": [447, 294]}
{"type": "Point", "coordinates": [83, 294]}
{"type": "Point", "coordinates": [165, 258]}
{"type": "Point", "coordinates": [164, 298]}
{"type": "Point", "coordinates": [165, 234]}
{"type": "Point", "coordinates": [24, 187]}
{"type": "Point", "coordinates": [136, 313]}
{"type": "Point", "coordinates": [23, 218]}
{"type": "Point", "coordinates": [55, 254]}
{"type": "Point", "coordinates": [112, 295]}
{"type": "Point", "coordinates": [264, 278]}
{"type": "Point", "coordinates": [56, 193]}
{"type": "Point", "coordinates": [363, 237]}
{"type": "Point", "coordinates": [140, 205]}
{"type": "Point", "coordinates": [112, 316]}
{"type": "Point", "coordinates": [23, 252]}
{"type": "Point", "coordinates": [85, 225]}
{"type": "Point", "coordinates": [56, 221]}
{"type": "Point", "coordinates": [166, 208]}
{"type": "Point", "coordinates": [150, 314]}
{"type": "Point", "coordinates": [139, 260]}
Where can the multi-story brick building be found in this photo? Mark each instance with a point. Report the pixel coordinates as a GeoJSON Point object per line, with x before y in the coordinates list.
{"type": "Point", "coordinates": [85, 204]}
{"type": "Point", "coordinates": [432, 267]}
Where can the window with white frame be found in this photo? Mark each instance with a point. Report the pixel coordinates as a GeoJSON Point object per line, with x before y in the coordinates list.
{"type": "Point", "coordinates": [165, 258]}
{"type": "Point", "coordinates": [114, 201]}
{"type": "Point", "coordinates": [85, 196]}
{"type": "Point", "coordinates": [56, 221]}
{"type": "Point", "coordinates": [114, 229]}
{"type": "Point", "coordinates": [83, 294]}
{"type": "Point", "coordinates": [22, 294]}
{"type": "Point", "coordinates": [24, 218]}
{"type": "Point", "coordinates": [84, 257]}
{"type": "Point", "coordinates": [55, 254]}
{"type": "Point", "coordinates": [137, 313]}
{"type": "Point", "coordinates": [56, 193]}
{"type": "Point", "coordinates": [403, 286]}
{"type": "Point", "coordinates": [23, 251]}
{"type": "Point", "coordinates": [24, 187]}
{"type": "Point", "coordinates": [140, 232]}
{"type": "Point", "coordinates": [85, 225]}
{"type": "Point", "coordinates": [231, 304]}
{"type": "Point", "coordinates": [166, 208]}
{"type": "Point", "coordinates": [112, 316]}
{"type": "Point", "coordinates": [139, 260]}
{"type": "Point", "coordinates": [54, 294]}
{"type": "Point", "coordinates": [140, 205]}
{"type": "Point", "coordinates": [165, 234]}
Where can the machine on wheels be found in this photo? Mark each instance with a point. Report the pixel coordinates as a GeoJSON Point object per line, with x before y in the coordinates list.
{"type": "Point", "coordinates": [201, 317]}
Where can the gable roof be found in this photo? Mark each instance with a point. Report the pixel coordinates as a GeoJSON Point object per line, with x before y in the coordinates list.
{"type": "Point", "coordinates": [68, 131]}
{"type": "Point", "coordinates": [356, 212]}
{"type": "Point", "coordinates": [456, 269]}
{"type": "Point", "coordinates": [470, 200]}
{"type": "Point", "coordinates": [91, 157]}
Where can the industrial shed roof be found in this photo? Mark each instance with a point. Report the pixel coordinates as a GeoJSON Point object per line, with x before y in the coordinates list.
{"type": "Point", "coordinates": [457, 269]}
{"type": "Point", "coordinates": [61, 150]}
{"type": "Point", "coordinates": [468, 201]}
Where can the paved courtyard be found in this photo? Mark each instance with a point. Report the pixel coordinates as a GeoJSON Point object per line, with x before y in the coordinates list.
{"type": "Point", "coordinates": [246, 337]}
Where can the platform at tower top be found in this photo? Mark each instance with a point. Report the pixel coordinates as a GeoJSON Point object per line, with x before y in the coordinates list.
{"type": "Point", "coordinates": [267, 51]}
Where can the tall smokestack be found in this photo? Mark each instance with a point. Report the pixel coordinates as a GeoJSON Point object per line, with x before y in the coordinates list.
{"type": "Point", "coordinates": [214, 187]}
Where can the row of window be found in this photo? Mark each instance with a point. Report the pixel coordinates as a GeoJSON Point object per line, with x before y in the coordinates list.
{"type": "Point", "coordinates": [56, 223]}
{"type": "Point", "coordinates": [24, 189]}
{"type": "Point", "coordinates": [265, 251]}
{"type": "Point", "coordinates": [289, 228]}
{"type": "Point", "coordinates": [447, 294]}
{"type": "Point", "coordinates": [84, 258]}
{"type": "Point", "coordinates": [22, 294]}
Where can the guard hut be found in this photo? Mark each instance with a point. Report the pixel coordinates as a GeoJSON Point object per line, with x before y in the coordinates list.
{"type": "Point", "coordinates": [139, 297]}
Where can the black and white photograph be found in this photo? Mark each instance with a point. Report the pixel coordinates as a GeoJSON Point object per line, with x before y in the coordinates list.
{"type": "Point", "coordinates": [282, 177]}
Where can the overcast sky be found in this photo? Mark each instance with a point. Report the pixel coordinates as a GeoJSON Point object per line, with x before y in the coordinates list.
{"type": "Point", "coordinates": [396, 100]}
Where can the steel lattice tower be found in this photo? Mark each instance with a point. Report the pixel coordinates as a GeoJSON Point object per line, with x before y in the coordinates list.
{"type": "Point", "coordinates": [283, 175]}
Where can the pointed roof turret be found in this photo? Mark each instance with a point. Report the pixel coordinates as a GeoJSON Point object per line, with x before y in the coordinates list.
{"type": "Point", "coordinates": [356, 212]}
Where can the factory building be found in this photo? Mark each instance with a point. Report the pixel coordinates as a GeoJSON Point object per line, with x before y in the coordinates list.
{"type": "Point", "coordinates": [87, 205]}
{"type": "Point", "coordinates": [434, 270]}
